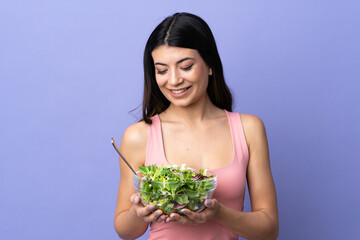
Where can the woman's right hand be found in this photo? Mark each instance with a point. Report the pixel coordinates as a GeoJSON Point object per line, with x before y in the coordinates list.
{"type": "Point", "coordinates": [147, 213]}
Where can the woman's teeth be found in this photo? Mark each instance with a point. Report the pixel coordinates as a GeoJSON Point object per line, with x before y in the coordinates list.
{"type": "Point", "coordinates": [179, 91]}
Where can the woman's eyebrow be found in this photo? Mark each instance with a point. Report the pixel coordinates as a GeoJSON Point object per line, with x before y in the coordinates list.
{"type": "Point", "coordinates": [180, 61]}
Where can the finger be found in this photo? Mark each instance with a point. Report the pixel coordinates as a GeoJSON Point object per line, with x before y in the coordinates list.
{"type": "Point", "coordinates": [180, 219]}
{"type": "Point", "coordinates": [195, 217]}
{"type": "Point", "coordinates": [156, 216]}
{"type": "Point", "coordinates": [135, 198]}
{"type": "Point", "coordinates": [145, 211]}
{"type": "Point", "coordinates": [172, 217]}
{"type": "Point", "coordinates": [169, 218]}
{"type": "Point", "coordinates": [188, 213]}
{"type": "Point", "coordinates": [211, 203]}
{"type": "Point", "coordinates": [208, 203]}
{"type": "Point", "coordinates": [161, 218]}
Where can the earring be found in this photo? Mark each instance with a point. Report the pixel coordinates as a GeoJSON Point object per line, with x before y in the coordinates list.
{"type": "Point", "coordinates": [210, 72]}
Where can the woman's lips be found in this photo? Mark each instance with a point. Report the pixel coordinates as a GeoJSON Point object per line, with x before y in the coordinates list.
{"type": "Point", "coordinates": [179, 92]}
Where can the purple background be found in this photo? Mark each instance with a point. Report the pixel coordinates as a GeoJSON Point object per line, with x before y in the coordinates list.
{"type": "Point", "coordinates": [70, 71]}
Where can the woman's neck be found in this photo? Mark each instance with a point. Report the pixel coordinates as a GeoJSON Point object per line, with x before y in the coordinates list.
{"type": "Point", "coordinates": [192, 114]}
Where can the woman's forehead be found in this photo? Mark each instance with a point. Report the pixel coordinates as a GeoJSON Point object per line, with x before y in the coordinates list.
{"type": "Point", "coordinates": [170, 54]}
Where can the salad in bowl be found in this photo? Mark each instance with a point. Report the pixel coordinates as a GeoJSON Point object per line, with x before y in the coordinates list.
{"type": "Point", "coordinates": [173, 188]}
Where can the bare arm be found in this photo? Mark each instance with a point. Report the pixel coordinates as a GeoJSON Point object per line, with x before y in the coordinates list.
{"type": "Point", "coordinates": [262, 221]}
{"type": "Point", "coordinates": [127, 223]}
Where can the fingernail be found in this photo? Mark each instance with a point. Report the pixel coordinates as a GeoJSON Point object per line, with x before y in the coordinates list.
{"type": "Point", "coordinates": [162, 218]}
{"type": "Point", "coordinates": [135, 199]}
{"type": "Point", "coordinates": [208, 202]}
{"type": "Point", "coordinates": [151, 207]}
{"type": "Point", "coordinates": [173, 216]}
{"type": "Point", "coordinates": [183, 211]}
{"type": "Point", "coordinates": [158, 213]}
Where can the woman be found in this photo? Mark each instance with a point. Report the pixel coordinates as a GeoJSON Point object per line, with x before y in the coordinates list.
{"type": "Point", "coordinates": [187, 119]}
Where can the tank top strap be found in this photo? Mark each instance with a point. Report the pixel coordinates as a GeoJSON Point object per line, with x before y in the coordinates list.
{"type": "Point", "coordinates": [238, 135]}
{"type": "Point", "coordinates": [154, 145]}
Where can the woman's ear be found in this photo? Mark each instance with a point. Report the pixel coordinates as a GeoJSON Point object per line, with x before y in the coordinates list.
{"type": "Point", "coordinates": [210, 71]}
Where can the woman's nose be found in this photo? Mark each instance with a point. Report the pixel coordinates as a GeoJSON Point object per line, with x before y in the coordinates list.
{"type": "Point", "coordinates": [175, 78]}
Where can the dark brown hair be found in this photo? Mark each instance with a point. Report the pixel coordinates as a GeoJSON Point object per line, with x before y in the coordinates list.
{"type": "Point", "coordinates": [187, 31]}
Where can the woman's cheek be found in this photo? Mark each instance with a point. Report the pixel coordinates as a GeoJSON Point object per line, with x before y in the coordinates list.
{"type": "Point", "coordinates": [160, 80]}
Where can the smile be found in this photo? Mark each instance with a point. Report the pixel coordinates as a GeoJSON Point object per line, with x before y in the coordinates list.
{"type": "Point", "coordinates": [179, 90]}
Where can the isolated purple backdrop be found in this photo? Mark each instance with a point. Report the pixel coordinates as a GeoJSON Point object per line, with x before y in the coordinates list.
{"type": "Point", "coordinates": [70, 71]}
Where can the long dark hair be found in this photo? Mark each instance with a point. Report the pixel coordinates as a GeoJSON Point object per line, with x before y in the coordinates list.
{"type": "Point", "coordinates": [187, 31]}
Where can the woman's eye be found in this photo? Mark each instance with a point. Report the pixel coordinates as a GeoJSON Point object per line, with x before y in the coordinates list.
{"type": "Point", "coordinates": [187, 68]}
{"type": "Point", "coordinates": [161, 72]}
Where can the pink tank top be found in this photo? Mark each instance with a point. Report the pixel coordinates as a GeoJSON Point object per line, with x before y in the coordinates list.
{"type": "Point", "coordinates": [230, 188]}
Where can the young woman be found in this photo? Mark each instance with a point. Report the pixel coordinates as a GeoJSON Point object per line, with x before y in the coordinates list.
{"type": "Point", "coordinates": [188, 118]}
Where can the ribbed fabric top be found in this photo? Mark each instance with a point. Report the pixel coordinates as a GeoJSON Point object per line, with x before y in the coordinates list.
{"type": "Point", "coordinates": [230, 189]}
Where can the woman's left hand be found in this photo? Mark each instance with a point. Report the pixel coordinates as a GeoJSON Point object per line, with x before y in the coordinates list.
{"type": "Point", "coordinates": [193, 218]}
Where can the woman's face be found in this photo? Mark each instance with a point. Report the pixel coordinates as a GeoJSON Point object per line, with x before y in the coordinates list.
{"type": "Point", "coordinates": [181, 74]}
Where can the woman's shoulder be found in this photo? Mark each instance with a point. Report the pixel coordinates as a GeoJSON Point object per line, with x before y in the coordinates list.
{"type": "Point", "coordinates": [253, 126]}
{"type": "Point", "coordinates": [251, 121]}
{"type": "Point", "coordinates": [135, 136]}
